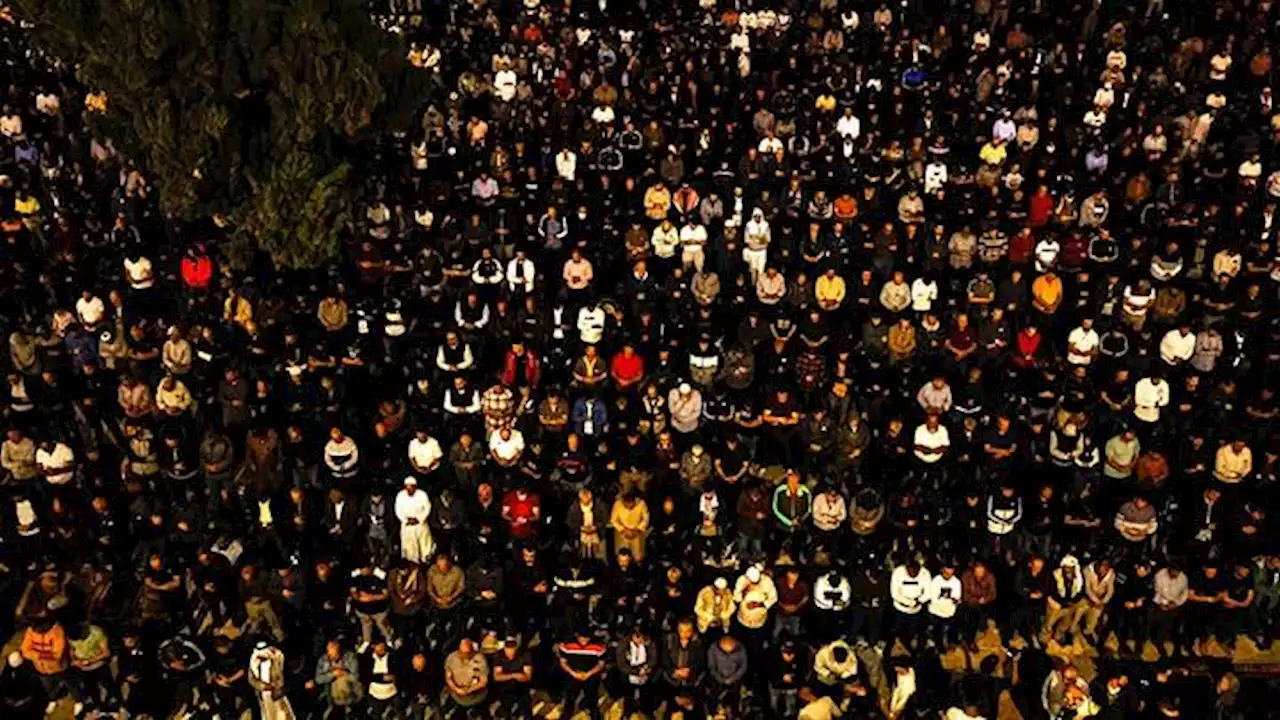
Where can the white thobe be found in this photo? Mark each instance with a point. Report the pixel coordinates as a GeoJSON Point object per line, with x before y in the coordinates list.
{"type": "Point", "coordinates": [416, 543]}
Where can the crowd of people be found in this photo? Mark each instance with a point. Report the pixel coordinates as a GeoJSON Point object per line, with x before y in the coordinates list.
{"type": "Point", "coordinates": [715, 359]}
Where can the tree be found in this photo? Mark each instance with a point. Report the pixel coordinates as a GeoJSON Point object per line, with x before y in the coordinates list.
{"type": "Point", "coordinates": [246, 108]}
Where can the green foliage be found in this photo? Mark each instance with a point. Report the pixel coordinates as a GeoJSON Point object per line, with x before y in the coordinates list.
{"type": "Point", "coordinates": [294, 202]}
{"type": "Point", "coordinates": [242, 107]}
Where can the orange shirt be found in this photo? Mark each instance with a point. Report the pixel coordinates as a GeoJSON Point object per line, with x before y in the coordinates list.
{"type": "Point", "coordinates": [1047, 291]}
{"type": "Point", "coordinates": [46, 651]}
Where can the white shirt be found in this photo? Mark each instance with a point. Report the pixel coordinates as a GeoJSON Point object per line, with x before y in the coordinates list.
{"type": "Point", "coordinates": [1081, 341]}
{"type": "Point", "coordinates": [139, 272]}
{"type": "Point", "coordinates": [60, 456]}
{"type": "Point", "coordinates": [769, 145]}
{"type": "Point", "coordinates": [377, 688]}
{"type": "Point", "coordinates": [693, 236]}
{"type": "Point", "coordinates": [1047, 253]}
{"type": "Point", "coordinates": [829, 512]}
{"type": "Point", "coordinates": [935, 176]}
{"type": "Point", "coordinates": [47, 103]}
{"type": "Point", "coordinates": [346, 450]}
{"type": "Point", "coordinates": [909, 594]}
{"type": "Point", "coordinates": [938, 440]}
{"type": "Point", "coordinates": [520, 273]}
{"type": "Point", "coordinates": [1136, 305]}
{"type": "Point", "coordinates": [412, 507]}
{"type": "Point", "coordinates": [507, 450]}
{"type": "Point", "coordinates": [1176, 348]}
{"type": "Point", "coordinates": [923, 294]}
{"type": "Point", "coordinates": [1148, 398]}
{"type": "Point", "coordinates": [567, 165]}
{"type": "Point", "coordinates": [11, 126]}
{"type": "Point", "coordinates": [425, 454]}
{"type": "Point", "coordinates": [1004, 129]}
{"type": "Point", "coordinates": [849, 126]}
{"type": "Point", "coordinates": [591, 324]}
{"type": "Point", "coordinates": [505, 83]}
{"type": "Point", "coordinates": [758, 234]}
{"type": "Point", "coordinates": [665, 241]}
{"type": "Point", "coordinates": [90, 311]}
{"type": "Point", "coordinates": [603, 115]}
{"type": "Point", "coordinates": [944, 595]}
{"type": "Point", "coordinates": [831, 597]}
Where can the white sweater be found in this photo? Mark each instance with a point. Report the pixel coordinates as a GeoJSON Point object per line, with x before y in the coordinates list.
{"type": "Point", "coordinates": [1148, 398]}
{"type": "Point", "coordinates": [944, 594]}
{"type": "Point", "coordinates": [909, 594]}
{"type": "Point", "coordinates": [829, 514]}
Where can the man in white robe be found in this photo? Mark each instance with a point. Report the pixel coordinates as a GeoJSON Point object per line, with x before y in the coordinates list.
{"type": "Point", "coordinates": [412, 509]}
{"type": "Point", "coordinates": [266, 676]}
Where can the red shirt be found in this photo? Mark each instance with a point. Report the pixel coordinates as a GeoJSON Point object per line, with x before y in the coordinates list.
{"type": "Point", "coordinates": [627, 369]}
{"type": "Point", "coordinates": [1028, 346]}
{"type": "Point", "coordinates": [1041, 209]}
{"type": "Point", "coordinates": [197, 271]}
{"type": "Point", "coordinates": [522, 515]}
{"type": "Point", "coordinates": [1020, 246]}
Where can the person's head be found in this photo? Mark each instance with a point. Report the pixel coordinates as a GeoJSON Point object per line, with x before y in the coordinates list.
{"type": "Point", "coordinates": [466, 648]}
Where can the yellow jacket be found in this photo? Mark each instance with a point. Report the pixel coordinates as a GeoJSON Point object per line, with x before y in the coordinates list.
{"type": "Point", "coordinates": [714, 607]}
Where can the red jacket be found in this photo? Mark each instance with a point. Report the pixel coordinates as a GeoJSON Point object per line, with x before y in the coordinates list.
{"type": "Point", "coordinates": [532, 368]}
{"type": "Point", "coordinates": [197, 271]}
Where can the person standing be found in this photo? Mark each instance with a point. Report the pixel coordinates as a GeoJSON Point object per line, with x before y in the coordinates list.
{"type": "Point", "coordinates": [466, 676]}
{"type": "Point", "coordinates": [909, 589]}
{"type": "Point", "coordinates": [266, 677]}
{"type": "Point", "coordinates": [337, 677]}
{"type": "Point", "coordinates": [1172, 590]}
{"type": "Point", "coordinates": [412, 509]}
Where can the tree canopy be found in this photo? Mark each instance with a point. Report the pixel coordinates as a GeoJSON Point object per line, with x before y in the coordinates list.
{"type": "Point", "coordinates": [246, 108]}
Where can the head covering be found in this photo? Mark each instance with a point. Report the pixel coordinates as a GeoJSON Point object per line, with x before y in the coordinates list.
{"type": "Point", "coordinates": [721, 584]}
{"type": "Point", "coordinates": [411, 480]}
